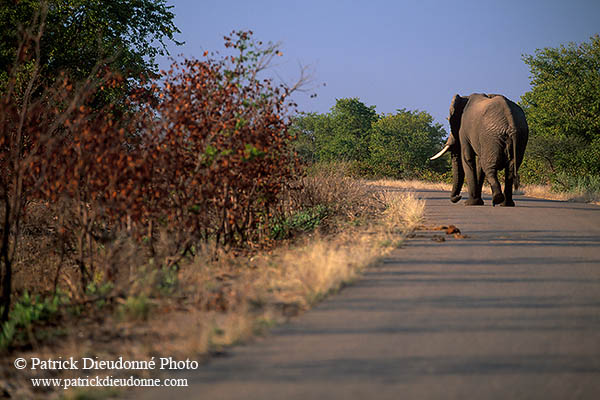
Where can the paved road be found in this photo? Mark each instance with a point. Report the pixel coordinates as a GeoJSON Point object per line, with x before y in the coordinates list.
{"type": "Point", "coordinates": [511, 312]}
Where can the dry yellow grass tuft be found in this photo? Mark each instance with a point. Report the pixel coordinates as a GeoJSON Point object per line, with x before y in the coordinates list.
{"type": "Point", "coordinates": [404, 210]}
{"type": "Point", "coordinates": [304, 275]}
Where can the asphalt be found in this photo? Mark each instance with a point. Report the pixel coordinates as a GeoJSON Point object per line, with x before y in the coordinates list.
{"type": "Point", "coordinates": [511, 311]}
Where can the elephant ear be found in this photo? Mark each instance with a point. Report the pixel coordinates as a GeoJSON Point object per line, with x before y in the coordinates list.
{"type": "Point", "coordinates": [456, 106]}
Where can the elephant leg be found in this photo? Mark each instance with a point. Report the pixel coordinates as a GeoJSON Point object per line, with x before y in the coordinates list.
{"type": "Point", "coordinates": [469, 165]}
{"type": "Point", "coordinates": [458, 177]}
{"type": "Point", "coordinates": [508, 187]}
{"type": "Point", "coordinates": [480, 179]}
{"type": "Point", "coordinates": [492, 177]}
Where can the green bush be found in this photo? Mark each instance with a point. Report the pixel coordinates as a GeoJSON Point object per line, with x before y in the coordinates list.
{"type": "Point", "coordinates": [563, 113]}
{"type": "Point", "coordinates": [28, 310]}
{"type": "Point", "coordinates": [302, 221]}
{"type": "Point", "coordinates": [402, 143]}
{"type": "Point", "coordinates": [135, 308]}
{"type": "Point", "coordinates": [563, 182]}
{"type": "Point", "coordinates": [388, 145]}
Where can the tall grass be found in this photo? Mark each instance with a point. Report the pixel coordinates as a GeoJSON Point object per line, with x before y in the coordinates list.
{"type": "Point", "coordinates": [330, 184]}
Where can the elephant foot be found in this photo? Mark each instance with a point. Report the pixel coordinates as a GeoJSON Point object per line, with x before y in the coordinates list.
{"type": "Point", "coordinates": [474, 202]}
{"type": "Point", "coordinates": [455, 199]}
{"type": "Point", "coordinates": [497, 199]}
{"type": "Point", "coordinates": [507, 203]}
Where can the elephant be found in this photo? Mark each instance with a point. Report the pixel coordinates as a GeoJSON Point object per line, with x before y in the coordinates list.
{"type": "Point", "coordinates": [488, 132]}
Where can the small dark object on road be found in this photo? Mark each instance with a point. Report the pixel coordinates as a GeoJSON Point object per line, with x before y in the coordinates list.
{"type": "Point", "coordinates": [452, 229]}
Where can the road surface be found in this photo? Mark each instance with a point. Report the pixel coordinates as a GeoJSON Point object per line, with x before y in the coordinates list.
{"type": "Point", "coordinates": [512, 311]}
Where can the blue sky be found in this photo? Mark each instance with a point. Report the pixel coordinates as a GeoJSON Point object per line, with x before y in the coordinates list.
{"type": "Point", "coordinates": [393, 54]}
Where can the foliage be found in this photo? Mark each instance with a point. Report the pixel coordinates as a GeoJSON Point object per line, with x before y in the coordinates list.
{"type": "Point", "coordinates": [342, 134]}
{"type": "Point", "coordinates": [350, 127]}
{"type": "Point", "coordinates": [576, 183]}
{"type": "Point", "coordinates": [204, 156]}
{"type": "Point", "coordinates": [402, 143]}
{"type": "Point", "coordinates": [135, 308]}
{"type": "Point", "coordinates": [396, 145]}
{"type": "Point", "coordinates": [83, 162]}
{"type": "Point", "coordinates": [28, 310]}
{"type": "Point", "coordinates": [49, 145]}
{"type": "Point", "coordinates": [125, 35]}
{"type": "Point", "coordinates": [563, 111]}
{"type": "Point", "coordinates": [302, 221]}
{"type": "Point", "coordinates": [220, 152]}
{"type": "Point", "coordinates": [305, 129]}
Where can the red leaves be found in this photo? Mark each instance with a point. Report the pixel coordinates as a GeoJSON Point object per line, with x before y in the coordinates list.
{"type": "Point", "coordinates": [205, 154]}
{"type": "Point", "coordinates": [218, 126]}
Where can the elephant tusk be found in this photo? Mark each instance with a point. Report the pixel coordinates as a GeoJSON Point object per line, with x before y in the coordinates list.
{"type": "Point", "coordinates": [441, 153]}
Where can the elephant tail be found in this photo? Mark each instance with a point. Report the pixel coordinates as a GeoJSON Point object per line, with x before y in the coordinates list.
{"type": "Point", "coordinates": [512, 117]}
{"type": "Point", "coordinates": [516, 179]}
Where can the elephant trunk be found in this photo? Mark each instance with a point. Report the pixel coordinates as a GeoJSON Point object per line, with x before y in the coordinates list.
{"type": "Point", "coordinates": [458, 177]}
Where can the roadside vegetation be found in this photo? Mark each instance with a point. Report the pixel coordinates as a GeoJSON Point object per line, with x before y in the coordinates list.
{"type": "Point", "coordinates": [148, 212]}
{"type": "Point", "coordinates": [563, 112]}
{"type": "Point", "coordinates": [388, 145]}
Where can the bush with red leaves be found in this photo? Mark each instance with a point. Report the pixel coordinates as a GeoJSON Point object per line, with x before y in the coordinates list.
{"type": "Point", "coordinates": [221, 153]}
{"type": "Point", "coordinates": [203, 155]}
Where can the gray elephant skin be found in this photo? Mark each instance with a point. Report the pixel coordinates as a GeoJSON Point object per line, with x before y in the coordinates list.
{"type": "Point", "coordinates": [488, 133]}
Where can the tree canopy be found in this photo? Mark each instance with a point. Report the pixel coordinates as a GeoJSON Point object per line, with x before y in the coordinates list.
{"type": "Point", "coordinates": [563, 109]}
{"type": "Point", "coordinates": [392, 145]}
{"type": "Point", "coordinates": [127, 34]}
{"type": "Point", "coordinates": [343, 133]}
{"type": "Point", "coordinates": [402, 143]}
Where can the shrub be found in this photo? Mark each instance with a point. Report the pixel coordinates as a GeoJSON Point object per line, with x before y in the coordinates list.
{"type": "Point", "coordinates": [220, 152]}
{"type": "Point", "coordinates": [28, 310]}
{"type": "Point", "coordinates": [301, 221]}
{"type": "Point", "coordinates": [203, 157]}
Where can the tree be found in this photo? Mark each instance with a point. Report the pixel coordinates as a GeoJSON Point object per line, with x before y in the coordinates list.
{"type": "Point", "coordinates": [304, 129]}
{"type": "Point", "coordinates": [397, 145]}
{"type": "Point", "coordinates": [563, 109]}
{"type": "Point", "coordinates": [78, 34]}
{"type": "Point", "coordinates": [350, 126]}
{"type": "Point", "coordinates": [48, 153]}
{"type": "Point", "coordinates": [341, 134]}
{"type": "Point", "coordinates": [402, 143]}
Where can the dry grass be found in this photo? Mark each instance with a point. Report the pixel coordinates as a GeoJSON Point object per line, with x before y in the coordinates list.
{"type": "Point", "coordinates": [411, 184]}
{"type": "Point", "coordinates": [219, 301]}
{"type": "Point", "coordinates": [403, 210]}
{"type": "Point", "coordinates": [304, 275]}
{"type": "Point", "coordinates": [545, 192]}
{"type": "Point", "coordinates": [539, 191]}
{"type": "Point", "coordinates": [330, 185]}
{"type": "Point", "coordinates": [271, 287]}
